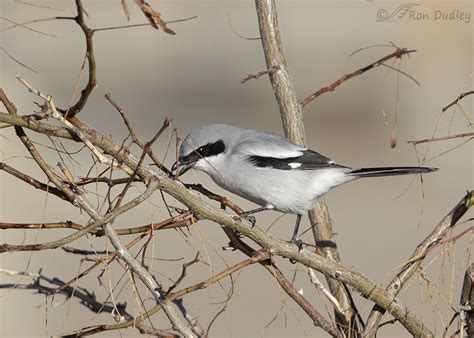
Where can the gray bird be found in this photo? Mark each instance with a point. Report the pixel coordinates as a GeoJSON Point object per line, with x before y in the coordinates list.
{"type": "Point", "coordinates": [268, 169]}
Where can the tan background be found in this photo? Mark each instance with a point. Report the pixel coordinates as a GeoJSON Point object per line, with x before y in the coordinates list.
{"type": "Point", "coordinates": [193, 78]}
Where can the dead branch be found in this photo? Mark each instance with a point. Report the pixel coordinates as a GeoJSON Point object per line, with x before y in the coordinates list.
{"type": "Point", "coordinates": [399, 52]}
{"type": "Point", "coordinates": [459, 98]}
{"type": "Point", "coordinates": [135, 139]}
{"type": "Point", "coordinates": [206, 211]}
{"type": "Point", "coordinates": [466, 304]}
{"type": "Point", "coordinates": [397, 283]}
{"type": "Point", "coordinates": [33, 182]}
{"type": "Point", "coordinates": [170, 223]}
{"type": "Point", "coordinates": [153, 16]}
{"type": "Point", "coordinates": [259, 74]}
{"type": "Point", "coordinates": [261, 255]}
{"type": "Point", "coordinates": [86, 298]}
{"type": "Point", "coordinates": [442, 138]}
{"type": "Point", "coordinates": [183, 273]}
{"type": "Point", "coordinates": [92, 81]}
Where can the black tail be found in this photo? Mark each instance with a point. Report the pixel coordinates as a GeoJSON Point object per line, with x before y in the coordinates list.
{"type": "Point", "coordinates": [390, 171]}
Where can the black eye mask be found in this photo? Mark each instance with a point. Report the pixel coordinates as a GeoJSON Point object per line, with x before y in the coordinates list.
{"type": "Point", "coordinates": [208, 150]}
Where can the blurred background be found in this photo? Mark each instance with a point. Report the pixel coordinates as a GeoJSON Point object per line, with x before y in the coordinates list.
{"type": "Point", "coordinates": [194, 79]}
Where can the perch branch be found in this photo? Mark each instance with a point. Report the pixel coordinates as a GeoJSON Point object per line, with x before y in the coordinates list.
{"type": "Point", "coordinates": [292, 118]}
{"type": "Point", "coordinates": [206, 211]}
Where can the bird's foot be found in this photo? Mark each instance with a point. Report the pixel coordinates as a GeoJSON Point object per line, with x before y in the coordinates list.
{"type": "Point", "coordinates": [249, 218]}
{"type": "Point", "coordinates": [299, 244]}
{"type": "Point", "coordinates": [238, 234]}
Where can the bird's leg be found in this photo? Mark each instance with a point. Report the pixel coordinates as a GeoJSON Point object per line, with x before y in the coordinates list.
{"type": "Point", "coordinates": [248, 215]}
{"type": "Point", "coordinates": [294, 240]}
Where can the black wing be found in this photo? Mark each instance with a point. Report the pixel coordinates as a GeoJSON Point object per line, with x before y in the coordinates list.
{"type": "Point", "coordinates": [310, 160]}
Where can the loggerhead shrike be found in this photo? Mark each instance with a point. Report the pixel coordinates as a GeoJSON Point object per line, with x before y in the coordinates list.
{"type": "Point", "coordinates": [268, 169]}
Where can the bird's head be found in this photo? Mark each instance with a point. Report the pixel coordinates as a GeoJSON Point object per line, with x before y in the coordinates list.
{"type": "Point", "coordinates": [203, 146]}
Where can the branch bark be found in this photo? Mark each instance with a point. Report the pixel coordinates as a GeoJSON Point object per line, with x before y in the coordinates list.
{"type": "Point", "coordinates": [397, 283]}
{"type": "Point", "coordinates": [205, 210]}
{"type": "Point", "coordinates": [81, 202]}
{"type": "Point", "coordinates": [467, 303]}
{"type": "Point", "coordinates": [293, 125]}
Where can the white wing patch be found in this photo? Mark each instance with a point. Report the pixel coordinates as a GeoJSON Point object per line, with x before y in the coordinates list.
{"type": "Point", "coordinates": [294, 165]}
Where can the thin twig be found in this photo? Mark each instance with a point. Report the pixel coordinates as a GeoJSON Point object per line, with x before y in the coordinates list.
{"type": "Point", "coordinates": [262, 255]}
{"type": "Point", "coordinates": [397, 54]}
{"type": "Point", "coordinates": [69, 125]}
{"type": "Point", "coordinates": [205, 210]}
{"type": "Point", "coordinates": [397, 283]}
{"type": "Point", "coordinates": [135, 139]}
{"type": "Point", "coordinates": [334, 302]}
{"type": "Point", "coordinates": [92, 80]}
{"type": "Point", "coordinates": [153, 16]}
{"type": "Point", "coordinates": [17, 61]}
{"type": "Point", "coordinates": [260, 74]}
{"type": "Point", "coordinates": [459, 98]}
{"type": "Point", "coordinates": [441, 138]}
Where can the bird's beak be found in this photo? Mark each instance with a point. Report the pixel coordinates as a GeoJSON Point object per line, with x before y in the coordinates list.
{"type": "Point", "coordinates": [183, 164]}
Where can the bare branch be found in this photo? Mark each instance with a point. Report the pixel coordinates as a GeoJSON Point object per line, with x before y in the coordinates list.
{"type": "Point", "coordinates": [31, 181]}
{"type": "Point", "coordinates": [154, 17]}
{"type": "Point", "coordinates": [262, 255]}
{"type": "Point", "coordinates": [459, 98]}
{"type": "Point", "coordinates": [259, 74]}
{"type": "Point", "coordinates": [442, 138]}
{"type": "Point", "coordinates": [135, 139]}
{"type": "Point", "coordinates": [292, 118]}
{"type": "Point", "coordinates": [467, 303]}
{"type": "Point", "coordinates": [204, 210]}
{"type": "Point", "coordinates": [397, 283]}
{"type": "Point", "coordinates": [70, 126]}
{"type": "Point", "coordinates": [17, 61]}
{"type": "Point", "coordinates": [397, 54]}
{"type": "Point", "coordinates": [92, 81]}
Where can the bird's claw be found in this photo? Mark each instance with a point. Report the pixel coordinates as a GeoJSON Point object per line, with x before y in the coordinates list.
{"type": "Point", "coordinates": [249, 218]}
{"type": "Point", "coordinates": [238, 234]}
{"type": "Point", "coordinates": [299, 244]}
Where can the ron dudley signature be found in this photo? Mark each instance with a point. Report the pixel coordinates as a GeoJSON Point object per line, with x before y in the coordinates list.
{"type": "Point", "coordinates": [412, 12]}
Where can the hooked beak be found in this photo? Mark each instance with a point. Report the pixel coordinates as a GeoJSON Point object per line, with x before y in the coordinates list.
{"type": "Point", "coordinates": [183, 164]}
